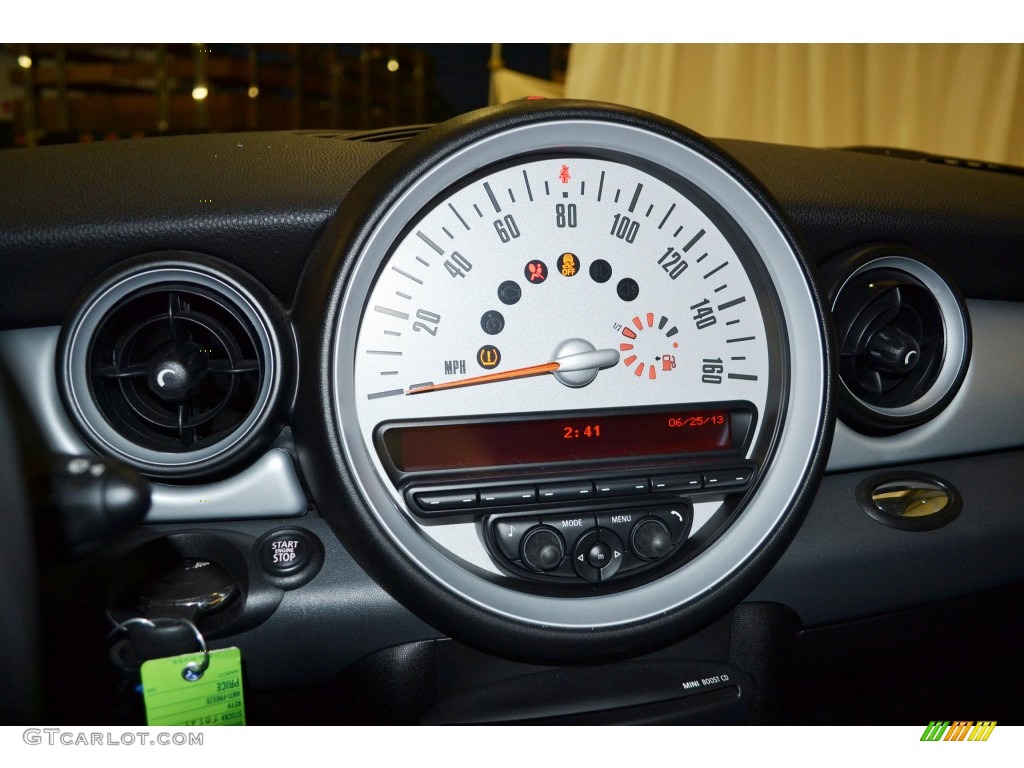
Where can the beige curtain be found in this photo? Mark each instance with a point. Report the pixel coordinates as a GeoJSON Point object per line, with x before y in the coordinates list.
{"type": "Point", "coordinates": [958, 99]}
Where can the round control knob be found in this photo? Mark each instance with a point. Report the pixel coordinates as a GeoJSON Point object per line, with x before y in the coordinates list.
{"type": "Point", "coordinates": [176, 371]}
{"type": "Point", "coordinates": [893, 350]}
{"type": "Point", "coordinates": [599, 555]}
{"type": "Point", "coordinates": [651, 539]}
{"type": "Point", "coordinates": [542, 548]}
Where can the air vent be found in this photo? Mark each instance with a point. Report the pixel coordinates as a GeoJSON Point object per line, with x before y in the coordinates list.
{"type": "Point", "coordinates": [904, 340]}
{"type": "Point", "coordinates": [174, 367]}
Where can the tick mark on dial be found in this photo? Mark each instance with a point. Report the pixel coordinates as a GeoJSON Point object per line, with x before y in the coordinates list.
{"type": "Point", "coordinates": [391, 312]}
{"type": "Point", "coordinates": [437, 248]}
{"type": "Point", "coordinates": [723, 265]}
{"type": "Point", "coordinates": [403, 273]}
{"type": "Point", "coordinates": [731, 303]}
{"type": "Point", "coordinates": [494, 200]}
{"type": "Point", "coordinates": [693, 241]}
{"type": "Point", "coordinates": [385, 393]}
{"type": "Point", "coordinates": [636, 197]}
{"type": "Point", "coordinates": [459, 215]}
{"type": "Point", "coordinates": [529, 192]}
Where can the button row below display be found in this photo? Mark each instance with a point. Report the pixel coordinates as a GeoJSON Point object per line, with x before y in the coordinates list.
{"type": "Point", "coordinates": [624, 486]}
{"type": "Point", "coordinates": [727, 478]}
{"type": "Point", "coordinates": [445, 501]}
{"type": "Point", "coordinates": [690, 481]}
{"type": "Point", "coordinates": [553, 493]}
{"type": "Point", "coordinates": [500, 497]}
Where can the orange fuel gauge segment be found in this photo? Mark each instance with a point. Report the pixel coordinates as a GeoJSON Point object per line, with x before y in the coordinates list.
{"type": "Point", "coordinates": [638, 342]}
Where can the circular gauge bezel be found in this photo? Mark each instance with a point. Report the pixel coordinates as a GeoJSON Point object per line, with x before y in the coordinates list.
{"type": "Point", "coordinates": [757, 447]}
{"type": "Point", "coordinates": [185, 271]}
{"type": "Point", "coordinates": [340, 463]}
{"type": "Point", "coordinates": [956, 333]}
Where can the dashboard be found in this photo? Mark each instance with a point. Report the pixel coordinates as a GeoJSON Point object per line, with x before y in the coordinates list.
{"type": "Point", "coordinates": [538, 415]}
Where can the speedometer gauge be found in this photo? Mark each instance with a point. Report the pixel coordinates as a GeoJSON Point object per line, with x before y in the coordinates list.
{"type": "Point", "coordinates": [565, 283]}
{"type": "Point", "coordinates": [563, 351]}
{"type": "Point", "coordinates": [635, 282]}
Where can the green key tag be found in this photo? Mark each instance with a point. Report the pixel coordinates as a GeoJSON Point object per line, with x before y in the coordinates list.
{"type": "Point", "coordinates": [213, 699]}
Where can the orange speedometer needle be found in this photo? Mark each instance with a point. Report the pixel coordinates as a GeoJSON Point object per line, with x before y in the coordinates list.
{"type": "Point", "coordinates": [516, 373]}
{"type": "Point", "coordinates": [589, 360]}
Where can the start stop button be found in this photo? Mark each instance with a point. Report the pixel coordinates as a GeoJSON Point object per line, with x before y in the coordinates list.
{"type": "Point", "coordinates": [285, 552]}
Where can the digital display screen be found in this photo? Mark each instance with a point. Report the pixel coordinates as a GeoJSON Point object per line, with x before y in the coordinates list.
{"type": "Point", "coordinates": [586, 438]}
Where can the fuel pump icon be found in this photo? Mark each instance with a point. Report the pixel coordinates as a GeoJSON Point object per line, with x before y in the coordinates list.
{"type": "Point", "coordinates": [668, 362]}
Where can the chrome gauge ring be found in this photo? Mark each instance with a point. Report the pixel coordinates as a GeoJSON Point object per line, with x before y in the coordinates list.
{"type": "Point", "coordinates": [563, 345]}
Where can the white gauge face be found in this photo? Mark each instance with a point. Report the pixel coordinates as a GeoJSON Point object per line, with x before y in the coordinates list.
{"type": "Point", "coordinates": [562, 284]}
{"type": "Point", "coordinates": [543, 295]}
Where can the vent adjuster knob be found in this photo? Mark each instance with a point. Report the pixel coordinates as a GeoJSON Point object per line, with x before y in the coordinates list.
{"type": "Point", "coordinates": [176, 371]}
{"type": "Point", "coordinates": [892, 350]}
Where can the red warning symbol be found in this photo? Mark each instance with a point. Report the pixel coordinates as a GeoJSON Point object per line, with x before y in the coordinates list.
{"type": "Point", "coordinates": [536, 272]}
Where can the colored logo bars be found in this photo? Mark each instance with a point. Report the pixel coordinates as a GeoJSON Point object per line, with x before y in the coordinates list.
{"type": "Point", "coordinates": [959, 730]}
